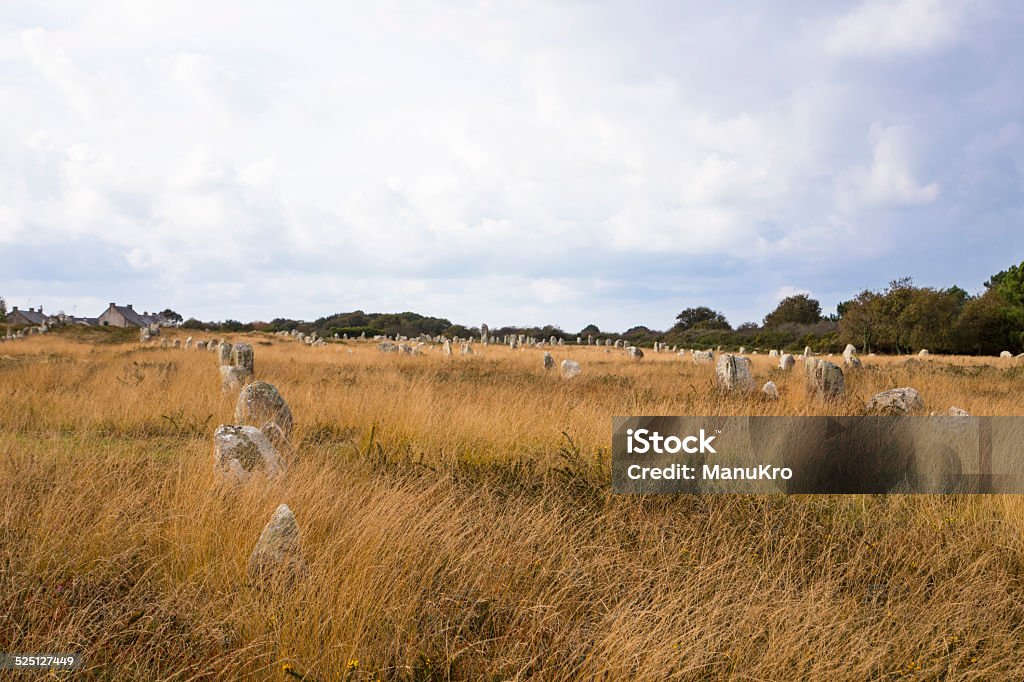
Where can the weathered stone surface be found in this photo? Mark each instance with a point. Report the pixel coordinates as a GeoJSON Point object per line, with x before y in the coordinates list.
{"type": "Point", "coordinates": [849, 350]}
{"type": "Point", "coordinates": [242, 356]}
{"type": "Point", "coordinates": [549, 362]}
{"type": "Point", "coordinates": [277, 557]}
{"type": "Point", "coordinates": [743, 350]}
{"type": "Point", "coordinates": [770, 391]}
{"type": "Point", "coordinates": [1006, 354]}
{"type": "Point", "coordinates": [923, 352]}
{"type": "Point", "coordinates": [234, 377]}
{"type": "Point", "coordinates": [773, 353]}
{"type": "Point", "coordinates": [787, 361]}
{"type": "Point", "coordinates": [824, 379]}
{"type": "Point", "coordinates": [807, 352]}
{"type": "Point", "coordinates": [466, 349]}
{"type": "Point", "coordinates": [200, 345]}
{"type": "Point", "coordinates": [635, 354]}
{"type": "Point", "coordinates": [703, 356]}
{"type": "Point", "coordinates": [188, 342]}
{"type": "Point", "coordinates": [851, 361]}
{"type": "Point", "coordinates": [239, 451]}
{"type": "Point", "coordinates": [896, 401]}
{"type": "Point", "coordinates": [260, 402]}
{"type": "Point", "coordinates": [957, 412]}
{"type": "Point", "coordinates": [387, 347]}
{"type": "Point", "coordinates": [570, 369]}
{"type": "Point", "coordinates": [176, 343]}
{"type": "Point", "coordinates": [732, 373]}
{"type": "Point", "coordinates": [224, 353]}
{"type": "Point", "coordinates": [447, 347]}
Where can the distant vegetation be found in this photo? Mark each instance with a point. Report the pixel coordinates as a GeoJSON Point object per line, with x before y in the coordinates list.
{"type": "Point", "coordinates": [899, 318]}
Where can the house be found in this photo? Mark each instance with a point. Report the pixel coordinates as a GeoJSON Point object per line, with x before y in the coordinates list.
{"type": "Point", "coordinates": [125, 316]}
{"type": "Point", "coordinates": [26, 317]}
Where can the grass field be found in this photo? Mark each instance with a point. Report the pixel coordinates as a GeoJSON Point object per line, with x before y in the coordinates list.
{"type": "Point", "coordinates": [457, 523]}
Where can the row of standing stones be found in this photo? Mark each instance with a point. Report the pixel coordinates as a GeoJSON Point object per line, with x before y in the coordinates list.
{"type": "Point", "coordinates": [258, 444]}
{"type": "Point", "coordinates": [263, 428]}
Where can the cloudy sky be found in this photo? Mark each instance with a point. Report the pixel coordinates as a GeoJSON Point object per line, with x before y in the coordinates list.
{"type": "Point", "coordinates": [504, 162]}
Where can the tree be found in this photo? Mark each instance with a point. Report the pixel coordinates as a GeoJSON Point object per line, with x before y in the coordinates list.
{"type": "Point", "coordinates": [986, 326]}
{"type": "Point", "coordinates": [701, 318]}
{"type": "Point", "coordinates": [589, 329]}
{"type": "Point", "coordinates": [171, 315]}
{"type": "Point", "coordinates": [747, 327]}
{"type": "Point", "coordinates": [3, 309]}
{"type": "Point", "coordinates": [861, 319]}
{"type": "Point", "coordinates": [798, 309]}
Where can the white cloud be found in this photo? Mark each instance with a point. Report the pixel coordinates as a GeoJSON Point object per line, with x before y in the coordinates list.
{"type": "Point", "coordinates": [894, 26]}
{"type": "Point", "coordinates": [888, 181]}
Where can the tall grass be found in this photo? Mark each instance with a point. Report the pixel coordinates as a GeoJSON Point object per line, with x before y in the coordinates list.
{"type": "Point", "coordinates": [457, 524]}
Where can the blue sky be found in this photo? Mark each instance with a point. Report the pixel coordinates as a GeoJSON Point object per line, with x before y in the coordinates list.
{"type": "Point", "coordinates": [505, 162]}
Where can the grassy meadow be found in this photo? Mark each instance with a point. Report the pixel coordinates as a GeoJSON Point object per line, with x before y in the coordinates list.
{"type": "Point", "coordinates": [457, 523]}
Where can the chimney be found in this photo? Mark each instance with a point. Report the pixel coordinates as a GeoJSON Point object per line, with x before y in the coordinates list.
{"type": "Point", "coordinates": [112, 304]}
{"type": "Point", "coordinates": [14, 309]}
{"type": "Point", "coordinates": [31, 310]}
{"type": "Point", "coordinates": [129, 306]}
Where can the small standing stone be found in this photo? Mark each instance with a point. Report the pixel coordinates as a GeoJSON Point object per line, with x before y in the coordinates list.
{"type": "Point", "coordinates": [224, 353]}
{"type": "Point", "coordinates": [635, 354]}
{"type": "Point", "coordinates": [238, 451]}
{"type": "Point", "coordinates": [570, 369]}
{"type": "Point", "coordinates": [770, 391]}
{"type": "Point", "coordinates": [896, 401]}
{"type": "Point", "coordinates": [549, 362]}
{"type": "Point", "coordinates": [277, 555]}
{"type": "Point", "coordinates": [824, 379]}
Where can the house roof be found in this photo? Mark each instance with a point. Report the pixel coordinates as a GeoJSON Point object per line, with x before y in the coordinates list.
{"type": "Point", "coordinates": [133, 318]}
{"type": "Point", "coordinates": [31, 316]}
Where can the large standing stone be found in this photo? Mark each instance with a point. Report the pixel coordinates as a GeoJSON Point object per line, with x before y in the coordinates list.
{"type": "Point", "coordinates": [277, 556]}
{"type": "Point", "coordinates": [447, 347]}
{"type": "Point", "coordinates": [570, 368]}
{"type": "Point", "coordinates": [786, 362]}
{"type": "Point", "coordinates": [732, 373]}
{"type": "Point", "coordinates": [224, 353]}
{"type": "Point", "coordinates": [239, 451]}
{"type": "Point", "coordinates": [242, 356]}
{"type": "Point", "coordinates": [549, 362]}
{"type": "Point", "coordinates": [896, 401]}
{"type": "Point", "coordinates": [260, 402]}
{"type": "Point", "coordinates": [824, 379]}
{"type": "Point", "coordinates": [635, 354]}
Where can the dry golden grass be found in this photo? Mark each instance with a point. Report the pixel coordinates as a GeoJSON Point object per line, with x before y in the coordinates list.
{"type": "Point", "coordinates": [458, 524]}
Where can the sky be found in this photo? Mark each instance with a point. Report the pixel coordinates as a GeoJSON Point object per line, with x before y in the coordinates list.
{"type": "Point", "coordinates": [504, 162]}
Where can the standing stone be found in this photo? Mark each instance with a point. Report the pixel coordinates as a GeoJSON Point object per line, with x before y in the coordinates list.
{"type": "Point", "coordinates": [770, 391]}
{"type": "Point", "coordinates": [896, 401]}
{"type": "Point", "coordinates": [732, 373]}
{"type": "Point", "coordinates": [1006, 354]}
{"type": "Point", "coordinates": [232, 377]}
{"type": "Point", "coordinates": [787, 361]}
{"type": "Point", "coordinates": [224, 353]}
{"type": "Point", "coordinates": [200, 345]}
{"type": "Point", "coordinates": [923, 353]}
{"type": "Point", "coordinates": [188, 342]}
{"type": "Point", "coordinates": [743, 350]}
{"type": "Point", "coordinates": [590, 339]}
{"type": "Point", "coordinates": [701, 357]}
{"type": "Point", "coordinates": [807, 352]}
{"type": "Point", "coordinates": [176, 343]}
{"type": "Point", "coordinates": [259, 403]}
{"type": "Point", "coordinates": [144, 334]}
{"type": "Point", "coordinates": [570, 368]}
{"type": "Point", "coordinates": [958, 412]}
{"type": "Point", "coordinates": [635, 354]}
{"type": "Point", "coordinates": [277, 556]}
{"type": "Point", "coordinates": [447, 347]}
{"type": "Point", "coordinates": [242, 356]}
{"type": "Point", "coordinates": [824, 379]}
{"type": "Point", "coordinates": [485, 334]}
{"type": "Point", "coordinates": [773, 353]}
{"type": "Point", "coordinates": [466, 349]}
{"type": "Point", "coordinates": [239, 451]}
{"type": "Point", "coordinates": [549, 362]}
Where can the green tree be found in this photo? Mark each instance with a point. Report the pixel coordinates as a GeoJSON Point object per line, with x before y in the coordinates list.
{"type": "Point", "coordinates": [701, 318]}
{"type": "Point", "coordinates": [171, 315]}
{"type": "Point", "coordinates": [589, 329]}
{"type": "Point", "coordinates": [3, 309]}
{"type": "Point", "coordinates": [861, 320]}
{"type": "Point", "coordinates": [798, 309]}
